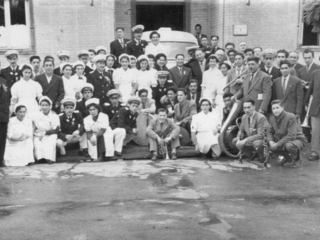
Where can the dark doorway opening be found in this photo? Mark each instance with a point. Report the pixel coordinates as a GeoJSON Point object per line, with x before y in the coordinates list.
{"type": "Point", "coordinates": [159, 15]}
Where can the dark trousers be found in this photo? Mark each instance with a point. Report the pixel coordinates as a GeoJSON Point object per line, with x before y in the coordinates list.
{"type": "Point", "coordinates": [291, 150]}
{"type": "Point", "coordinates": [3, 140]}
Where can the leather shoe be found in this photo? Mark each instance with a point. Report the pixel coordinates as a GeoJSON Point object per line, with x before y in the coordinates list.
{"type": "Point", "coordinates": [313, 157]}
{"type": "Point", "coordinates": [118, 154]}
{"type": "Point", "coordinates": [296, 163]}
{"type": "Point", "coordinates": [174, 156]}
{"type": "Point", "coordinates": [154, 157]}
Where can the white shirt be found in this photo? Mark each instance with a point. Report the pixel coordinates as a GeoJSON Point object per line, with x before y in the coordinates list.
{"type": "Point", "coordinates": [48, 78]}
{"type": "Point", "coordinates": [156, 49]}
{"type": "Point", "coordinates": [77, 83]}
{"type": "Point", "coordinates": [202, 122]}
{"type": "Point", "coordinates": [46, 122]}
{"type": "Point", "coordinates": [95, 126]}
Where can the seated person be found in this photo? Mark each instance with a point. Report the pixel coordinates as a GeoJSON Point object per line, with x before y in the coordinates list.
{"type": "Point", "coordinates": [285, 136]}
{"type": "Point", "coordinates": [250, 136]}
{"type": "Point", "coordinates": [161, 131]}
{"type": "Point", "coordinates": [99, 134]}
{"type": "Point", "coordinates": [169, 101]}
{"type": "Point", "coordinates": [160, 90]}
{"type": "Point", "coordinates": [112, 107]}
{"type": "Point", "coordinates": [146, 108]}
{"type": "Point", "coordinates": [124, 124]}
{"type": "Point", "coordinates": [228, 103]}
{"type": "Point", "coordinates": [204, 130]}
{"type": "Point", "coordinates": [71, 126]}
{"type": "Point", "coordinates": [87, 93]}
{"type": "Point", "coordinates": [193, 94]}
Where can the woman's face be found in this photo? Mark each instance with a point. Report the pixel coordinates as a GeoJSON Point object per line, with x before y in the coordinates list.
{"type": "Point", "coordinates": [67, 71]}
{"type": "Point", "coordinates": [110, 62]}
{"type": "Point", "coordinates": [79, 70]}
{"type": "Point", "coordinates": [124, 63]}
{"type": "Point", "coordinates": [155, 38]}
{"type": "Point", "coordinates": [93, 111]}
{"type": "Point", "coordinates": [171, 95]}
{"type": "Point", "coordinates": [143, 65]}
{"type": "Point", "coordinates": [26, 74]}
{"type": "Point", "coordinates": [151, 62]}
{"type": "Point", "coordinates": [205, 106]}
{"type": "Point", "coordinates": [21, 113]}
{"type": "Point", "coordinates": [143, 96]}
{"type": "Point", "coordinates": [161, 61]}
{"type": "Point", "coordinates": [213, 63]}
{"type": "Point", "coordinates": [45, 107]}
{"type": "Point", "coordinates": [133, 63]}
{"type": "Point", "coordinates": [224, 69]}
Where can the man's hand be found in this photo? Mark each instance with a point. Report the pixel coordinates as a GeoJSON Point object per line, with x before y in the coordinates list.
{"type": "Point", "coordinates": [57, 105]}
{"type": "Point", "coordinates": [163, 99]}
{"type": "Point", "coordinates": [69, 137]}
{"type": "Point", "coordinates": [241, 143]}
{"type": "Point", "coordinates": [178, 123]}
{"type": "Point", "coordinates": [93, 140]}
{"type": "Point", "coordinates": [233, 98]}
{"type": "Point", "coordinates": [135, 131]}
{"type": "Point", "coordinates": [273, 145]}
{"type": "Point", "coordinates": [239, 81]}
{"type": "Point", "coordinates": [214, 103]}
{"type": "Point", "coordinates": [168, 139]}
{"type": "Point", "coordinates": [76, 133]}
{"type": "Point", "coordinates": [160, 140]}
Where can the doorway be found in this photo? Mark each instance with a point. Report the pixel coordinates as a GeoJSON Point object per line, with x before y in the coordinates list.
{"type": "Point", "coordinates": [156, 15]}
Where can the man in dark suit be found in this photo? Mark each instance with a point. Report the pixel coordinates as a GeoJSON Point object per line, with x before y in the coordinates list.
{"type": "Point", "coordinates": [268, 56]}
{"type": "Point", "coordinates": [64, 56]}
{"type": "Point", "coordinates": [87, 93]}
{"type": "Point", "coordinates": [251, 130]}
{"type": "Point", "coordinates": [198, 34]}
{"type": "Point", "coordinates": [179, 74]}
{"type": "Point", "coordinates": [52, 85]}
{"type": "Point", "coordinates": [214, 44]}
{"type": "Point", "coordinates": [198, 66]}
{"type": "Point", "coordinates": [11, 73]}
{"type": "Point", "coordinates": [256, 86]}
{"type": "Point", "coordinates": [285, 135]}
{"type": "Point", "coordinates": [136, 47]}
{"type": "Point", "coordinates": [205, 46]}
{"type": "Point", "coordinates": [293, 58]}
{"type": "Point", "coordinates": [193, 94]}
{"type": "Point", "coordinates": [4, 117]}
{"type": "Point", "coordinates": [289, 90]}
{"type": "Point", "coordinates": [118, 46]}
{"type": "Point", "coordinates": [84, 57]}
{"type": "Point", "coordinates": [305, 72]}
{"type": "Point", "coordinates": [314, 91]}
{"type": "Point", "coordinates": [112, 108]}
{"type": "Point", "coordinates": [100, 79]}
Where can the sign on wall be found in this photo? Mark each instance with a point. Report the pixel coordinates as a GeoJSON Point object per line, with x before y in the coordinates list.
{"type": "Point", "coordinates": [240, 30]}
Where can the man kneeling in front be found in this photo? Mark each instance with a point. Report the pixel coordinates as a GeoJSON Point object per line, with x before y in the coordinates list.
{"type": "Point", "coordinates": [285, 136]}
{"type": "Point", "coordinates": [160, 132]}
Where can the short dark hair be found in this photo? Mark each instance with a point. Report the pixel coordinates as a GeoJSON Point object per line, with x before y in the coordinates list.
{"type": "Point", "coordinates": [216, 36]}
{"type": "Point", "coordinates": [93, 51]}
{"type": "Point", "coordinates": [249, 100]}
{"type": "Point", "coordinates": [48, 57]}
{"type": "Point", "coordinates": [226, 64]}
{"type": "Point", "coordinates": [205, 100]}
{"type": "Point", "coordinates": [227, 94]}
{"type": "Point", "coordinates": [24, 68]}
{"type": "Point", "coordinates": [122, 28]}
{"type": "Point", "coordinates": [232, 51]}
{"type": "Point", "coordinates": [97, 106]}
{"type": "Point", "coordinates": [285, 62]}
{"type": "Point", "coordinates": [253, 58]}
{"type": "Point", "coordinates": [48, 60]}
{"type": "Point", "coordinates": [162, 110]}
{"type": "Point", "coordinates": [180, 54]}
{"type": "Point", "coordinates": [34, 57]}
{"type": "Point", "coordinates": [228, 44]}
{"type": "Point", "coordinates": [159, 55]}
{"type": "Point", "coordinates": [19, 108]}
{"type": "Point", "coordinates": [259, 48]}
{"type": "Point", "coordinates": [198, 49]}
{"type": "Point", "coordinates": [248, 50]}
{"type": "Point", "coordinates": [204, 36]}
{"type": "Point", "coordinates": [212, 57]}
{"type": "Point", "coordinates": [154, 32]}
{"type": "Point", "coordinates": [151, 56]}
{"type": "Point", "coordinates": [239, 54]}
{"type": "Point", "coordinates": [194, 81]}
{"type": "Point", "coordinates": [198, 25]}
{"type": "Point", "coordinates": [67, 65]}
{"type": "Point", "coordinates": [172, 88]}
{"type": "Point", "coordinates": [277, 101]}
{"type": "Point", "coordinates": [143, 90]}
{"type": "Point", "coordinates": [286, 54]}
{"type": "Point", "coordinates": [308, 50]}
{"type": "Point", "coordinates": [182, 90]}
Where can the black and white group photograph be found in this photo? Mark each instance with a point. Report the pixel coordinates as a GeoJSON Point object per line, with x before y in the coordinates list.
{"type": "Point", "coordinates": [159, 119]}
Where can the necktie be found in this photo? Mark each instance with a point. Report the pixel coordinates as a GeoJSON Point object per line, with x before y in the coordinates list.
{"type": "Point", "coordinates": [110, 71]}
{"type": "Point", "coordinates": [193, 97]}
{"type": "Point", "coordinates": [284, 85]}
{"type": "Point", "coordinates": [161, 125]}
{"type": "Point", "coordinates": [249, 121]}
{"type": "Point", "coordinates": [268, 70]}
{"type": "Point", "coordinates": [122, 44]}
{"type": "Point", "coordinates": [307, 67]}
{"type": "Point", "coordinates": [180, 70]}
{"type": "Point", "coordinates": [238, 71]}
{"type": "Point", "coordinates": [251, 79]}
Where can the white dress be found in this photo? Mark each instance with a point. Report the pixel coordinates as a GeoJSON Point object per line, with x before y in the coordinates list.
{"type": "Point", "coordinates": [125, 79]}
{"type": "Point", "coordinates": [204, 126]}
{"type": "Point", "coordinates": [78, 82]}
{"type": "Point", "coordinates": [69, 87]}
{"type": "Point", "coordinates": [211, 77]}
{"type": "Point", "coordinates": [95, 126]}
{"type": "Point", "coordinates": [145, 79]}
{"type": "Point", "coordinates": [19, 153]}
{"type": "Point", "coordinates": [26, 92]}
{"type": "Point", "coordinates": [156, 49]}
{"type": "Point", "coordinates": [45, 145]}
{"type": "Point", "coordinates": [217, 94]}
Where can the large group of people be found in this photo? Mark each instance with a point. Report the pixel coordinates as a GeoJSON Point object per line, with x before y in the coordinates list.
{"type": "Point", "coordinates": [103, 101]}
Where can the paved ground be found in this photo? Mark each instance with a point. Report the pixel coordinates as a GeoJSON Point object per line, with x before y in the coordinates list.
{"type": "Point", "coordinates": [187, 199]}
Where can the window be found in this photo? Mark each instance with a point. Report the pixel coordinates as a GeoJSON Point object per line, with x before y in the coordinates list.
{"type": "Point", "coordinates": [14, 24]}
{"type": "Point", "coordinates": [309, 38]}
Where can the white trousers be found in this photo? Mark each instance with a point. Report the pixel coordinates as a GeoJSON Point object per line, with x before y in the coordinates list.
{"type": "Point", "coordinates": [108, 143]}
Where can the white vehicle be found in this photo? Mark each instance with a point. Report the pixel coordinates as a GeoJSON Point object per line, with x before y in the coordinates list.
{"type": "Point", "coordinates": [175, 41]}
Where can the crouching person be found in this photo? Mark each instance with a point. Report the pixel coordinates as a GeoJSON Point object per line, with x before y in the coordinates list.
{"type": "Point", "coordinates": [162, 131]}
{"type": "Point", "coordinates": [99, 134]}
{"type": "Point", "coordinates": [124, 124]}
{"type": "Point", "coordinates": [285, 136]}
{"type": "Point", "coordinates": [204, 130]}
{"type": "Point", "coordinates": [71, 126]}
{"type": "Point", "coordinates": [250, 136]}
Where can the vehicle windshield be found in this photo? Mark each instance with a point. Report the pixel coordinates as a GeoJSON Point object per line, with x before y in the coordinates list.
{"type": "Point", "coordinates": [177, 47]}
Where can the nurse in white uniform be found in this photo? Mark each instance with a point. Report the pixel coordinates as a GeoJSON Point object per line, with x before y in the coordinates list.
{"type": "Point", "coordinates": [204, 130]}
{"type": "Point", "coordinates": [26, 91]}
{"type": "Point", "coordinates": [78, 80]}
{"type": "Point", "coordinates": [19, 147]}
{"type": "Point", "coordinates": [124, 78]}
{"type": "Point", "coordinates": [68, 83]}
{"type": "Point", "coordinates": [155, 47]}
{"type": "Point", "coordinates": [99, 133]}
{"type": "Point", "coordinates": [47, 124]}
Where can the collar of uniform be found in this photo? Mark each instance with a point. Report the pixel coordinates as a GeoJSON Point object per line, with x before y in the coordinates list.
{"type": "Point", "coordinates": [14, 69]}
{"type": "Point", "coordinates": [287, 77]}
